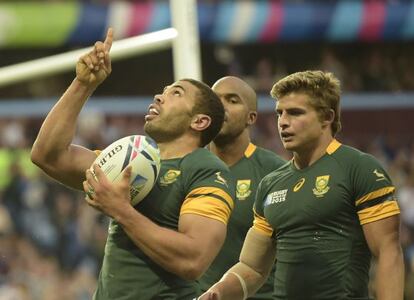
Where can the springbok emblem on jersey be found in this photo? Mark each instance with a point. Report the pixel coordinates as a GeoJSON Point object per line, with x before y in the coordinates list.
{"type": "Point", "coordinates": [321, 186]}
{"type": "Point", "coordinates": [169, 177]}
{"type": "Point", "coordinates": [220, 179]}
{"type": "Point", "coordinates": [380, 176]}
{"type": "Point", "coordinates": [243, 189]}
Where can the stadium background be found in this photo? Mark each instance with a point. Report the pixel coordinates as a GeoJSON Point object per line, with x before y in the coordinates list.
{"type": "Point", "coordinates": [51, 243]}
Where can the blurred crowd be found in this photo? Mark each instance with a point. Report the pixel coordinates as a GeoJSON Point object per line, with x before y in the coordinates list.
{"type": "Point", "coordinates": [366, 68]}
{"type": "Point", "coordinates": [360, 67]}
{"type": "Point", "coordinates": [51, 242]}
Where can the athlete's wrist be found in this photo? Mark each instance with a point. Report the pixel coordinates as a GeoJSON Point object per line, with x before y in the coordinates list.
{"type": "Point", "coordinates": [242, 284]}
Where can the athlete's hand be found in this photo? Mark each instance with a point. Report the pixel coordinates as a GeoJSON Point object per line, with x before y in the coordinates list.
{"type": "Point", "coordinates": [210, 295]}
{"type": "Point", "coordinates": [110, 198]}
{"type": "Point", "coordinates": [93, 67]}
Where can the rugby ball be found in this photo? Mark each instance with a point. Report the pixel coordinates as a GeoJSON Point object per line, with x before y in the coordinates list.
{"type": "Point", "coordinates": [138, 151]}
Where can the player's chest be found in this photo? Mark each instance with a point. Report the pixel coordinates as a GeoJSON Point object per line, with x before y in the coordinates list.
{"type": "Point", "coordinates": [164, 201]}
{"type": "Point", "coordinates": [308, 198]}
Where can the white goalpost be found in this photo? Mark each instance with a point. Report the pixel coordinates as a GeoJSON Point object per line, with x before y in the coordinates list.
{"type": "Point", "coordinates": [183, 38]}
{"type": "Point", "coordinates": [186, 47]}
{"type": "Point", "coordinates": [66, 61]}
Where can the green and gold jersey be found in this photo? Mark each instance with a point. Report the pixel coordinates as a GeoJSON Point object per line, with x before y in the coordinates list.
{"type": "Point", "coordinates": [247, 173]}
{"type": "Point", "coordinates": [315, 214]}
{"type": "Point", "coordinates": [198, 183]}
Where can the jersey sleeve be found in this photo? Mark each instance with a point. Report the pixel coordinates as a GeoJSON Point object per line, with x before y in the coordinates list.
{"type": "Point", "coordinates": [374, 193]}
{"type": "Point", "coordinates": [210, 191]}
{"type": "Point", "coordinates": [259, 222]}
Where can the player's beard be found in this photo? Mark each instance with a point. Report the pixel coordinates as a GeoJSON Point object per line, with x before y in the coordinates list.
{"type": "Point", "coordinates": [167, 129]}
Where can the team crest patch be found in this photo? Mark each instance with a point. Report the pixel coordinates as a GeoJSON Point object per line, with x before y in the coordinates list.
{"type": "Point", "coordinates": [243, 189]}
{"type": "Point", "coordinates": [321, 186]}
{"type": "Point", "coordinates": [170, 177]}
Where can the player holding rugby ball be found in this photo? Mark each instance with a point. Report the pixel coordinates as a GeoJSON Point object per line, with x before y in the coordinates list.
{"type": "Point", "coordinates": [159, 247]}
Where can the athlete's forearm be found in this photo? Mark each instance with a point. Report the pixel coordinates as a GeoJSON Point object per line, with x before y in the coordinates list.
{"type": "Point", "coordinates": [244, 279]}
{"type": "Point", "coordinates": [239, 282]}
{"type": "Point", "coordinates": [229, 288]}
{"type": "Point", "coordinates": [52, 150]}
{"type": "Point", "coordinates": [249, 279]}
{"type": "Point", "coordinates": [58, 129]}
{"type": "Point", "coordinates": [390, 274]}
{"type": "Point", "coordinates": [174, 251]}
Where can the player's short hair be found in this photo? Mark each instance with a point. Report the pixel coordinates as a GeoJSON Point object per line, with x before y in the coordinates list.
{"type": "Point", "coordinates": [323, 89]}
{"type": "Point", "coordinates": [208, 103]}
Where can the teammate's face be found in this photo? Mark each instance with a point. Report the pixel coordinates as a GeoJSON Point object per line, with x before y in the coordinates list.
{"type": "Point", "coordinates": [236, 109]}
{"type": "Point", "coordinates": [298, 123]}
{"type": "Point", "coordinates": [169, 116]}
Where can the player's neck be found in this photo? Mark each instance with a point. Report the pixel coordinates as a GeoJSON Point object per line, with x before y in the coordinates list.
{"type": "Point", "coordinates": [232, 151]}
{"type": "Point", "coordinates": [177, 148]}
{"type": "Point", "coordinates": [311, 153]}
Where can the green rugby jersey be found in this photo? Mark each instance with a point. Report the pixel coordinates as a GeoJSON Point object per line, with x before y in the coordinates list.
{"type": "Point", "coordinates": [247, 173]}
{"type": "Point", "coordinates": [198, 183]}
{"type": "Point", "coordinates": [315, 214]}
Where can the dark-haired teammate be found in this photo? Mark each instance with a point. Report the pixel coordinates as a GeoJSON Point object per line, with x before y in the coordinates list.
{"type": "Point", "coordinates": [157, 249]}
{"type": "Point", "coordinates": [323, 214]}
{"type": "Point", "coordinates": [248, 165]}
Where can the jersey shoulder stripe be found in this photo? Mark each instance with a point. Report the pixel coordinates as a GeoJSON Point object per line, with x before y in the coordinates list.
{"type": "Point", "coordinates": [378, 212]}
{"type": "Point", "coordinates": [214, 192]}
{"type": "Point", "coordinates": [211, 202]}
{"type": "Point", "coordinates": [260, 224]}
{"type": "Point", "coordinates": [375, 195]}
{"type": "Point", "coordinates": [207, 207]}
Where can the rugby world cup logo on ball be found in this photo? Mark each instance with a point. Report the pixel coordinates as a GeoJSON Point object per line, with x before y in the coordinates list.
{"type": "Point", "coordinates": [142, 154]}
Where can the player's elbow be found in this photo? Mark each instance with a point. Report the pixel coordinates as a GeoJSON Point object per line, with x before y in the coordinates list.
{"type": "Point", "coordinates": [40, 157]}
{"type": "Point", "coordinates": [37, 156]}
{"type": "Point", "coordinates": [190, 275]}
{"type": "Point", "coordinates": [193, 270]}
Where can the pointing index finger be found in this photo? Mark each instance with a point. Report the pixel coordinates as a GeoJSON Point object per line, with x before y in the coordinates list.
{"type": "Point", "coordinates": [109, 38]}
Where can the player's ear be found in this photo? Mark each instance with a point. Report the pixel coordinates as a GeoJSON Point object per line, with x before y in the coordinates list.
{"type": "Point", "coordinates": [252, 117]}
{"type": "Point", "coordinates": [200, 122]}
{"type": "Point", "coordinates": [328, 118]}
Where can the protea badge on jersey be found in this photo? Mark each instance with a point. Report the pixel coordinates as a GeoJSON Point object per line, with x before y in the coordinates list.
{"type": "Point", "coordinates": [139, 151]}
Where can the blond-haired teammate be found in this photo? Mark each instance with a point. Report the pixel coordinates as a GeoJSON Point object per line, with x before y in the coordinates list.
{"type": "Point", "coordinates": [323, 214]}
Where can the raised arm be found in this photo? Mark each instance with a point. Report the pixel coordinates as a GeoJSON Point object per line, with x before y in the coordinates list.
{"type": "Point", "coordinates": [52, 150]}
{"type": "Point", "coordinates": [248, 275]}
{"type": "Point", "coordinates": [384, 242]}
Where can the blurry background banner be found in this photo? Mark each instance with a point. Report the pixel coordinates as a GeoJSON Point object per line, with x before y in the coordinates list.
{"type": "Point", "coordinates": [47, 24]}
